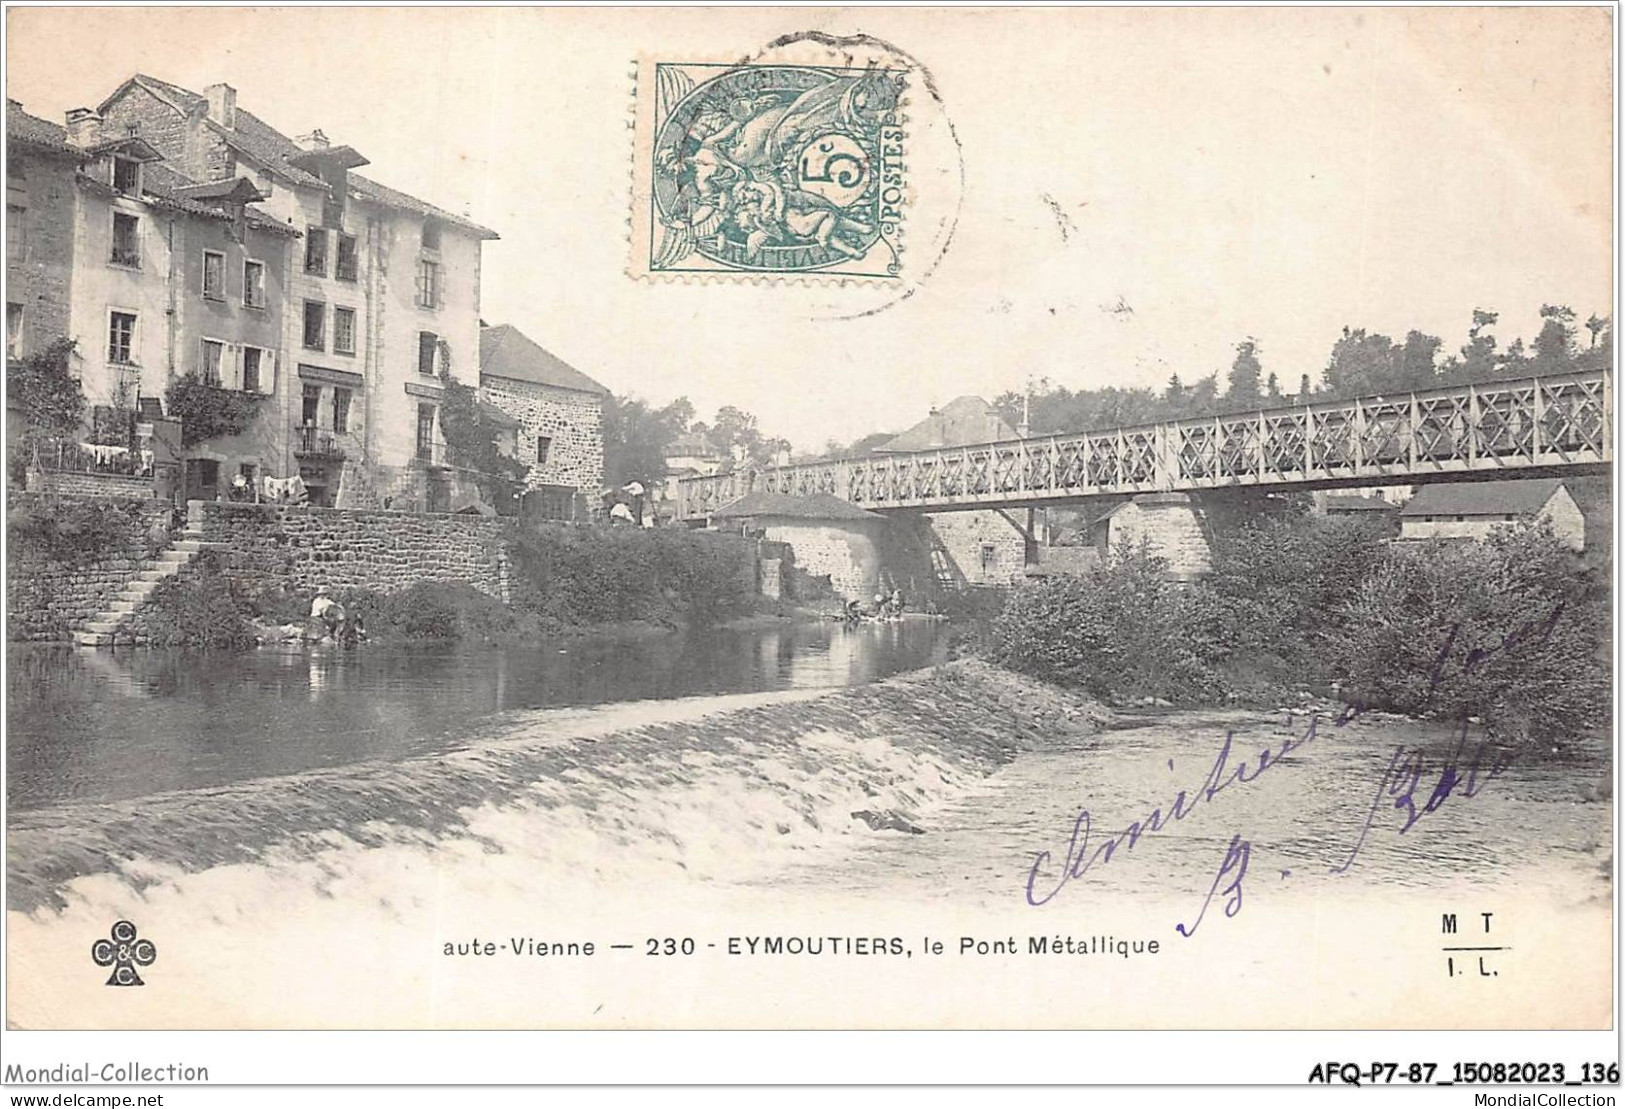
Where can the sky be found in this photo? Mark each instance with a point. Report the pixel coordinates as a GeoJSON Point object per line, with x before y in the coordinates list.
{"type": "Point", "coordinates": [1132, 191]}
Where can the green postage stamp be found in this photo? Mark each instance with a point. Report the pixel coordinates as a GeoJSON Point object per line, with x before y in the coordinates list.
{"type": "Point", "coordinates": [768, 170]}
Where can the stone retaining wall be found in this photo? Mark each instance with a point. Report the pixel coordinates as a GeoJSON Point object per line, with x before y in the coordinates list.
{"type": "Point", "coordinates": [90, 485]}
{"type": "Point", "coordinates": [46, 598]}
{"type": "Point", "coordinates": [355, 549]}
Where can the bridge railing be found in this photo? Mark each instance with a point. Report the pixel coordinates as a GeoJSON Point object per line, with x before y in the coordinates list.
{"type": "Point", "coordinates": [1553, 420]}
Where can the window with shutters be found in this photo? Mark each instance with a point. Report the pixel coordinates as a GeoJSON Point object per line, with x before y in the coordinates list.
{"type": "Point", "coordinates": [253, 283]}
{"type": "Point", "coordinates": [344, 267]}
{"type": "Point", "coordinates": [16, 233]}
{"type": "Point", "coordinates": [316, 251]}
{"type": "Point", "coordinates": [428, 344]}
{"type": "Point", "coordinates": [315, 325]}
{"type": "Point", "coordinates": [343, 330]}
{"type": "Point", "coordinates": [214, 275]}
{"type": "Point", "coordinates": [428, 284]}
{"type": "Point", "coordinates": [214, 356]}
{"type": "Point", "coordinates": [121, 338]}
{"type": "Point", "coordinates": [256, 371]}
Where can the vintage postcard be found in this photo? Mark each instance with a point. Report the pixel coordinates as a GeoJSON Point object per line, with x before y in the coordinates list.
{"type": "Point", "coordinates": [756, 518]}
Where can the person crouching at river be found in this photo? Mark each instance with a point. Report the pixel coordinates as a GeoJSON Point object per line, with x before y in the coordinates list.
{"type": "Point", "coordinates": [326, 614]}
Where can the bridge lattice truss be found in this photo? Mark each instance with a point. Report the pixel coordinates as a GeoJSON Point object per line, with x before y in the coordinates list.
{"type": "Point", "coordinates": [1555, 424]}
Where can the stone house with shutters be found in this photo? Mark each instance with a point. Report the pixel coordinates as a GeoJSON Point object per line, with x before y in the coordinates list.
{"type": "Point", "coordinates": [381, 296]}
{"type": "Point", "coordinates": [559, 416]}
{"type": "Point", "coordinates": [144, 270]}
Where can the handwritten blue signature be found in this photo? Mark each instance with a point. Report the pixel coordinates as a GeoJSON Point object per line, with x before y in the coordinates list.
{"type": "Point", "coordinates": [1400, 783]}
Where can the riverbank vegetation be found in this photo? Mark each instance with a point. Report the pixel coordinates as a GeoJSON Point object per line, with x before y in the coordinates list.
{"type": "Point", "coordinates": [1511, 630]}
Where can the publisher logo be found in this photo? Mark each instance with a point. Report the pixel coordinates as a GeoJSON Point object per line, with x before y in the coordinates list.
{"type": "Point", "coordinates": [123, 952]}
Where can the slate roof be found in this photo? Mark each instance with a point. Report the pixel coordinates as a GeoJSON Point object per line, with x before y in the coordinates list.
{"type": "Point", "coordinates": [815, 506]}
{"type": "Point", "coordinates": [1482, 498]}
{"type": "Point", "coordinates": [505, 351]}
{"type": "Point", "coordinates": [37, 132]}
{"type": "Point", "coordinates": [266, 145]}
{"type": "Point", "coordinates": [959, 423]}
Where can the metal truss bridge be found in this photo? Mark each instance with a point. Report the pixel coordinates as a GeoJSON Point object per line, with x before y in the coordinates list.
{"type": "Point", "coordinates": [1554, 425]}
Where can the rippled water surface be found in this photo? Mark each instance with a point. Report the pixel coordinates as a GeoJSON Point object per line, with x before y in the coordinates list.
{"type": "Point", "coordinates": [101, 725]}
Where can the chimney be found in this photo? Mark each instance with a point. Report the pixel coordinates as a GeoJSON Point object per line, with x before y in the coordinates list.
{"type": "Point", "coordinates": [316, 140]}
{"type": "Point", "coordinates": [935, 429]}
{"type": "Point", "coordinates": [84, 126]}
{"type": "Point", "coordinates": [222, 105]}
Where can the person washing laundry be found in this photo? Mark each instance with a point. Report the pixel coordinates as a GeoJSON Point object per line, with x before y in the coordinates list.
{"type": "Point", "coordinates": [326, 613]}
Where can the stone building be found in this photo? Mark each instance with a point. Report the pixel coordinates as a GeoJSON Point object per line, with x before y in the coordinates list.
{"type": "Point", "coordinates": [41, 166]}
{"type": "Point", "coordinates": [977, 547]}
{"type": "Point", "coordinates": [831, 537]}
{"type": "Point", "coordinates": [560, 421]}
{"type": "Point", "coordinates": [1172, 525]}
{"type": "Point", "coordinates": [1469, 510]}
{"type": "Point", "coordinates": [381, 298]}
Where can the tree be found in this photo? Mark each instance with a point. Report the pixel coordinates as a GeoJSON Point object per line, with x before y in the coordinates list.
{"type": "Point", "coordinates": [1245, 373]}
{"type": "Point", "coordinates": [1554, 345]}
{"type": "Point", "coordinates": [1272, 387]}
{"type": "Point", "coordinates": [46, 392]}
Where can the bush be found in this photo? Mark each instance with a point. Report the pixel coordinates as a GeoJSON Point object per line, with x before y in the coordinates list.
{"type": "Point", "coordinates": [75, 532]}
{"type": "Point", "coordinates": [1122, 630]}
{"type": "Point", "coordinates": [1510, 630]}
{"type": "Point", "coordinates": [207, 411]}
{"type": "Point", "coordinates": [200, 608]}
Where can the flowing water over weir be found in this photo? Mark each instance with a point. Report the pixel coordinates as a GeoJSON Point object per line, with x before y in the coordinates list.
{"type": "Point", "coordinates": [917, 804]}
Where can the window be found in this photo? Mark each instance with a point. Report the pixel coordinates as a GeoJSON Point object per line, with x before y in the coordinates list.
{"type": "Point", "coordinates": [1510, 518]}
{"type": "Point", "coordinates": [1427, 519]}
{"type": "Point", "coordinates": [428, 284]}
{"type": "Point", "coordinates": [16, 233]}
{"type": "Point", "coordinates": [214, 275]}
{"type": "Point", "coordinates": [253, 370]}
{"type": "Point", "coordinates": [1460, 519]}
{"type": "Point", "coordinates": [126, 240]}
{"type": "Point", "coordinates": [248, 471]}
{"type": "Point", "coordinates": [426, 431]}
{"type": "Point", "coordinates": [544, 444]}
{"type": "Point", "coordinates": [989, 553]}
{"type": "Point", "coordinates": [214, 353]}
{"type": "Point", "coordinates": [121, 338]}
{"type": "Point", "coordinates": [316, 251]}
{"type": "Point", "coordinates": [311, 401]}
{"type": "Point", "coordinates": [253, 284]}
{"type": "Point", "coordinates": [343, 330]}
{"type": "Point", "coordinates": [427, 342]}
{"type": "Point", "coordinates": [345, 267]}
{"type": "Point", "coordinates": [126, 176]}
{"type": "Point", "coordinates": [14, 329]}
{"type": "Point", "coordinates": [315, 325]}
{"type": "Point", "coordinates": [341, 410]}
{"type": "Point", "coordinates": [431, 234]}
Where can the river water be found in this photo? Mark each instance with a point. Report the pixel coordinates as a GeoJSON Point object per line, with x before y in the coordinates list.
{"type": "Point", "coordinates": [105, 725]}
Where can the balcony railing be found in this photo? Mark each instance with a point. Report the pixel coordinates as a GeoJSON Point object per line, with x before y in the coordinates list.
{"type": "Point", "coordinates": [317, 441]}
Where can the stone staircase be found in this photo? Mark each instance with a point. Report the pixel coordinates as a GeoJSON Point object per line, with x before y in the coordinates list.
{"type": "Point", "coordinates": [99, 630]}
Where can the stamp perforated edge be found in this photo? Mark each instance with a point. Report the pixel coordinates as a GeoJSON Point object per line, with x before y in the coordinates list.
{"type": "Point", "coordinates": [641, 133]}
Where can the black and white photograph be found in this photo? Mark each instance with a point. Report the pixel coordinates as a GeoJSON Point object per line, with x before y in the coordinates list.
{"type": "Point", "coordinates": [792, 519]}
